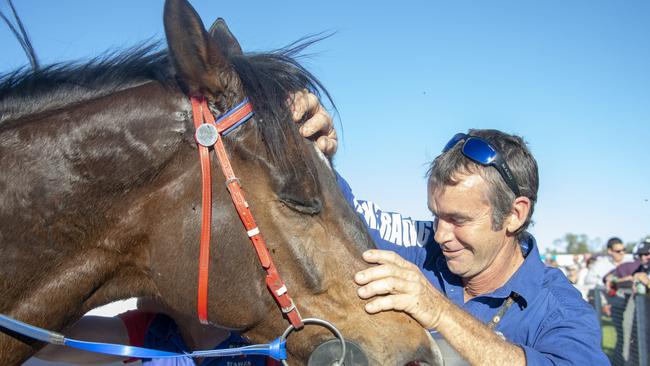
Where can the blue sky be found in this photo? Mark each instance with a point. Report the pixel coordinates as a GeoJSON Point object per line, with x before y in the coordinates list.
{"type": "Point", "coordinates": [572, 77]}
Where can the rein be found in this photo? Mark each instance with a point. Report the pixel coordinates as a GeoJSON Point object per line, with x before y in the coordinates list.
{"type": "Point", "coordinates": [210, 134]}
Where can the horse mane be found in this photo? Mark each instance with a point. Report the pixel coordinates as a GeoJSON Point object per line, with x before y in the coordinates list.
{"type": "Point", "coordinates": [268, 78]}
{"type": "Point", "coordinates": [25, 91]}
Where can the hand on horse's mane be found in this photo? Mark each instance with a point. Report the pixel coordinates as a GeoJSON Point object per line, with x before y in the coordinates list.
{"type": "Point", "coordinates": [317, 125]}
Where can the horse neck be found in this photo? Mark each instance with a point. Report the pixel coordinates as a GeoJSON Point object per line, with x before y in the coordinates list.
{"type": "Point", "coordinates": [74, 180]}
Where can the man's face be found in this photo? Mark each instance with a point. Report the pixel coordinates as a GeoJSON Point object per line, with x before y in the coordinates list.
{"type": "Point", "coordinates": [645, 258]}
{"type": "Point", "coordinates": [617, 252]}
{"type": "Point", "coordinates": [463, 226]}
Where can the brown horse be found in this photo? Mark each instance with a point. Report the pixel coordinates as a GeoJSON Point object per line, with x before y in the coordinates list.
{"type": "Point", "coordinates": [100, 197]}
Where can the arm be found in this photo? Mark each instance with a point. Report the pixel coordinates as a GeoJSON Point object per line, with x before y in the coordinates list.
{"type": "Point", "coordinates": [569, 336]}
{"type": "Point", "coordinates": [642, 277]}
{"type": "Point", "coordinates": [411, 239]}
{"type": "Point", "coordinates": [389, 230]}
{"type": "Point", "coordinates": [88, 328]}
{"type": "Point", "coordinates": [396, 284]}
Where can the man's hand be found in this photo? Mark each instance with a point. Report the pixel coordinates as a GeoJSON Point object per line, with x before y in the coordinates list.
{"type": "Point", "coordinates": [317, 125]}
{"type": "Point", "coordinates": [404, 286]}
{"type": "Point", "coordinates": [400, 285]}
{"type": "Point", "coordinates": [642, 277]}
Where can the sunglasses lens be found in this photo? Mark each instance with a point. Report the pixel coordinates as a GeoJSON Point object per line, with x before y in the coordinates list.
{"type": "Point", "coordinates": [479, 151]}
{"type": "Point", "coordinates": [454, 140]}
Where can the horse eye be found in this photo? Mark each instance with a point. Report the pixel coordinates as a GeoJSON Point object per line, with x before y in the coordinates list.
{"type": "Point", "coordinates": [310, 207]}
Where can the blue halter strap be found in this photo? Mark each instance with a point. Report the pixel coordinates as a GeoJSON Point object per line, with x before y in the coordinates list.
{"type": "Point", "coordinates": [276, 349]}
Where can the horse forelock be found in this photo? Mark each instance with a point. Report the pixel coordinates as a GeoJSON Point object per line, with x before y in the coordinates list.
{"type": "Point", "coordinates": [268, 80]}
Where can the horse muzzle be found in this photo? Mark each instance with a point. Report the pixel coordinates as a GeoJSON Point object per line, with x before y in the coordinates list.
{"type": "Point", "coordinates": [329, 354]}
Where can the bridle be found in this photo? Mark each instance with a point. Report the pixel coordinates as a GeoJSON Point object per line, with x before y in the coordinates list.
{"type": "Point", "coordinates": [209, 133]}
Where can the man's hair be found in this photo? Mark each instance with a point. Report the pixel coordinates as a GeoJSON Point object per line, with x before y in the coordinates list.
{"type": "Point", "coordinates": [444, 171]}
{"type": "Point", "coordinates": [613, 241]}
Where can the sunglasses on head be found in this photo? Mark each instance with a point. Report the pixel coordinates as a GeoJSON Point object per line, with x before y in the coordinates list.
{"type": "Point", "coordinates": [480, 151]}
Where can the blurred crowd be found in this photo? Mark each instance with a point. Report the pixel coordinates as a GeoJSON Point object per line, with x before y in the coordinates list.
{"type": "Point", "coordinates": [616, 271]}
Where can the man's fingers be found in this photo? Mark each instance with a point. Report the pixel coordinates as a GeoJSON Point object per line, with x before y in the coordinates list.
{"type": "Point", "coordinates": [316, 122]}
{"type": "Point", "coordinates": [326, 145]}
{"type": "Point", "coordinates": [303, 104]}
{"type": "Point", "coordinates": [322, 144]}
{"type": "Point", "coordinates": [320, 123]}
{"type": "Point", "coordinates": [375, 273]}
{"type": "Point", "coordinates": [332, 146]}
{"type": "Point", "coordinates": [388, 286]}
{"type": "Point", "coordinates": [385, 257]}
{"type": "Point", "coordinates": [391, 302]}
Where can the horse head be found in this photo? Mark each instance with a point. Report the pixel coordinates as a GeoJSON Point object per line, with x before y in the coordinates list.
{"type": "Point", "coordinates": [113, 209]}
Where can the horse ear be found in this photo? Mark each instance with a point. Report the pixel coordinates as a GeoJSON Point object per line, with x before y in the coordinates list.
{"type": "Point", "coordinates": [227, 42]}
{"type": "Point", "coordinates": [200, 65]}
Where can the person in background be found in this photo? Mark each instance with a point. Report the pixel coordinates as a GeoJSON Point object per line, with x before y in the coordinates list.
{"type": "Point", "coordinates": [572, 273]}
{"type": "Point", "coordinates": [582, 275]}
{"type": "Point", "coordinates": [643, 271]}
{"type": "Point", "coordinates": [604, 266]}
{"type": "Point", "coordinates": [619, 283]}
{"type": "Point", "coordinates": [622, 277]}
{"type": "Point", "coordinates": [155, 326]}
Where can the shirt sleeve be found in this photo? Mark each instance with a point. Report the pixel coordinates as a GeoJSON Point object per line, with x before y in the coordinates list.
{"type": "Point", "coordinates": [137, 323]}
{"type": "Point", "coordinates": [639, 269]}
{"type": "Point", "coordinates": [569, 337]}
{"type": "Point", "coordinates": [390, 230]}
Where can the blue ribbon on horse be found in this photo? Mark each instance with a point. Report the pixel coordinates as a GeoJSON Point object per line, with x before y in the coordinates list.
{"type": "Point", "coordinates": [276, 349]}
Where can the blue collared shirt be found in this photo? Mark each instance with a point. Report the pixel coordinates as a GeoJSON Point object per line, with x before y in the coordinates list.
{"type": "Point", "coordinates": [549, 319]}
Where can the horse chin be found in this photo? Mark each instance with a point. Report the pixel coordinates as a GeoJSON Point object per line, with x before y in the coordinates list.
{"type": "Point", "coordinates": [431, 356]}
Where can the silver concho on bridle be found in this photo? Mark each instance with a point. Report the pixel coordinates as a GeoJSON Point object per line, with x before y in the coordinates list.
{"type": "Point", "coordinates": [206, 135]}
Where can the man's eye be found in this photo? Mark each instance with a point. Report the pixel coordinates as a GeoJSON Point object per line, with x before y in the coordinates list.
{"type": "Point", "coordinates": [458, 221]}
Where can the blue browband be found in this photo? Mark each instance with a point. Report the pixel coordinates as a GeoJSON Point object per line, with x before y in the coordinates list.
{"type": "Point", "coordinates": [242, 119]}
{"type": "Point", "coordinates": [276, 349]}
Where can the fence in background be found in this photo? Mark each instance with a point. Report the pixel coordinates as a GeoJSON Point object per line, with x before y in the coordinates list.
{"type": "Point", "coordinates": [630, 316]}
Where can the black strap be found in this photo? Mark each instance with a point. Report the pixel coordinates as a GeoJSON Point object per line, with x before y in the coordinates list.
{"type": "Point", "coordinates": [499, 315]}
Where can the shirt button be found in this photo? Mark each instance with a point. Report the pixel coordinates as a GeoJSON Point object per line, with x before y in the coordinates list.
{"type": "Point", "coordinates": [496, 319]}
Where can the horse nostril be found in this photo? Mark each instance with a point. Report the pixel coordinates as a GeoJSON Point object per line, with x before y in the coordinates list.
{"type": "Point", "coordinates": [328, 353]}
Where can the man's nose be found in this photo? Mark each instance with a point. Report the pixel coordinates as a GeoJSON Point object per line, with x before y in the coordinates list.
{"type": "Point", "coordinates": [444, 231]}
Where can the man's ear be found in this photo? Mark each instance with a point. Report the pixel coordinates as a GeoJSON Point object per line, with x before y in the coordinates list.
{"type": "Point", "coordinates": [518, 214]}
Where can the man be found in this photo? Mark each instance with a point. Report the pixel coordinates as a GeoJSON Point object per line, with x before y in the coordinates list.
{"type": "Point", "coordinates": [605, 265]}
{"type": "Point", "coordinates": [481, 283]}
{"type": "Point", "coordinates": [641, 273]}
{"type": "Point", "coordinates": [621, 277]}
{"type": "Point", "coordinates": [600, 272]}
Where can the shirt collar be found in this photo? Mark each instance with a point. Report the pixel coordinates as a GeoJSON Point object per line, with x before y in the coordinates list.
{"type": "Point", "coordinates": [527, 280]}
